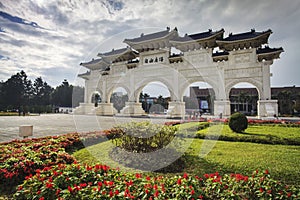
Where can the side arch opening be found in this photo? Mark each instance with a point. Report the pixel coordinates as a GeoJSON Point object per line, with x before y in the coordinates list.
{"type": "Point", "coordinates": [243, 98]}
{"type": "Point", "coordinates": [199, 99]}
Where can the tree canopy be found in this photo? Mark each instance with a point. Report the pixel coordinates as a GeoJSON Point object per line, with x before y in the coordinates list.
{"type": "Point", "coordinates": [19, 93]}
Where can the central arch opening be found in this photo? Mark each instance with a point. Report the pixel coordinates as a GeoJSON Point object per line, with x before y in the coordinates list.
{"type": "Point", "coordinates": [243, 98]}
{"type": "Point", "coordinates": [155, 97]}
{"type": "Point", "coordinates": [199, 99]}
{"type": "Point", "coordinates": [118, 98]}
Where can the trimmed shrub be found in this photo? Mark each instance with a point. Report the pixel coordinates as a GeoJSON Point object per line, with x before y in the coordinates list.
{"type": "Point", "coordinates": [238, 122]}
{"type": "Point", "coordinates": [142, 137]}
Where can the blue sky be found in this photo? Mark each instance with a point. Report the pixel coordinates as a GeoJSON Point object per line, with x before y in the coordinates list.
{"type": "Point", "coordinates": [50, 38]}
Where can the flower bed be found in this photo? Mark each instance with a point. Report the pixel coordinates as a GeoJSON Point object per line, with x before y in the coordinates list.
{"type": "Point", "coordinates": [76, 181]}
{"type": "Point", "coordinates": [21, 158]}
{"type": "Point", "coordinates": [43, 169]}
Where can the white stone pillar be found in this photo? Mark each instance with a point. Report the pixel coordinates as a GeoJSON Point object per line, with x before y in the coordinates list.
{"type": "Point", "coordinates": [221, 107]}
{"type": "Point", "coordinates": [86, 92]}
{"type": "Point", "coordinates": [132, 109]}
{"type": "Point", "coordinates": [267, 108]}
{"type": "Point", "coordinates": [84, 109]}
{"type": "Point", "coordinates": [105, 109]}
{"type": "Point", "coordinates": [266, 85]}
{"type": "Point", "coordinates": [176, 109]}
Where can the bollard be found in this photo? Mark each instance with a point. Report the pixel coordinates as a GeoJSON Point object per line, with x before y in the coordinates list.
{"type": "Point", "coordinates": [25, 131]}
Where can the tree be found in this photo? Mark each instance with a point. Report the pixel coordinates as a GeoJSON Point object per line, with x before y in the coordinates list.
{"type": "Point", "coordinates": [2, 96]}
{"type": "Point", "coordinates": [143, 99]}
{"type": "Point", "coordinates": [118, 100]}
{"type": "Point", "coordinates": [42, 92]}
{"type": "Point", "coordinates": [62, 95]}
{"type": "Point", "coordinates": [285, 102]}
{"type": "Point", "coordinates": [17, 91]}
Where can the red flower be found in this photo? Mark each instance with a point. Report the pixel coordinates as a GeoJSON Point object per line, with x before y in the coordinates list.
{"type": "Point", "coordinates": [49, 185]}
{"type": "Point", "coordinates": [266, 171]}
{"type": "Point", "coordinates": [20, 187]}
{"type": "Point", "coordinates": [137, 175]}
{"type": "Point", "coordinates": [42, 198]}
{"type": "Point", "coordinates": [185, 175]}
{"type": "Point", "coordinates": [111, 194]}
{"type": "Point", "coordinates": [82, 185]}
{"type": "Point", "coordinates": [261, 190]}
{"type": "Point", "coordinates": [130, 183]}
{"type": "Point", "coordinates": [179, 181]}
{"type": "Point", "coordinates": [192, 192]}
{"type": "Point", "coordinates": [89, 168]}
{"type": "Point", "coordinates": [70, 189]}
{"type": "Point", "coordinates": [110, 183]}
{"type": "Point", "coordinates": [156, 193]}
{"type": "Point", "coordinates": [100, 184]}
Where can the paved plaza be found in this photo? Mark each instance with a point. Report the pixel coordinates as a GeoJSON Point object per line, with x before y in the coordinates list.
{"type": "Point", "coordinates": [58, 124]}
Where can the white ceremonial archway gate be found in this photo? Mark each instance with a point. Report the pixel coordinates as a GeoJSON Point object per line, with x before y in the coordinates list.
{"type": "Point", "coordinates": [242, 57]}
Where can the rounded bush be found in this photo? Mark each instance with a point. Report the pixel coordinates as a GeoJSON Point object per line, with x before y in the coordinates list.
{"type": "Point", "coordinates": [238, 122]}
{"type": "Point", "coordinates": [142, 137]}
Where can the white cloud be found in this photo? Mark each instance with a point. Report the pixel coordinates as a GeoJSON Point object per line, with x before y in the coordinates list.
{"type": "Point", "coordinates": [76, 30]}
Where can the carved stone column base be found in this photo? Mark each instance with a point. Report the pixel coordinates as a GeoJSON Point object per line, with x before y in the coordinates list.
{"type": "Point", "coordinates": [84, 109]}
{"type": "Point", "coordinates": [176, 109]}
{"type": "Point", "coordinates": [105, 109]}
{"type": "Point", "coordinates": [132, 109]}
{"type": "Point", "coordinates": [222, 108]}
{"type": "Point", "coordinates": [267, 108]}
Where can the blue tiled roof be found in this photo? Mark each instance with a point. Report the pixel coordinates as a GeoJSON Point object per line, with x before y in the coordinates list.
{"type": "Point", "coordinates": [199, 36]}
{"type": "Point", "coordinates": [146, 37]}
{"type": "Point", "coordinates": [268, 50]}
{"type": "Point", "coordinates": [247, 35]}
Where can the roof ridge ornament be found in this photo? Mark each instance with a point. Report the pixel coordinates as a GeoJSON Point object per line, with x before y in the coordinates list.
{"type": "Point", "coordinates": [253, 30]}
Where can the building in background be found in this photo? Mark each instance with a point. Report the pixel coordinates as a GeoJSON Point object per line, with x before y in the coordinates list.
{"type": "Point", "coordinates": [245, 100]}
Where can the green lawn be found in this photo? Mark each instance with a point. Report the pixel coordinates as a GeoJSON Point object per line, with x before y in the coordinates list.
{"type": "Point", "coordinates": [258, 134]}
{"type": "Point", "coordinates": [225, 157]}
{"type": "Point", "coordinates": [240, 157]}
{"type": "Point", "coordinates": [231, 153]}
